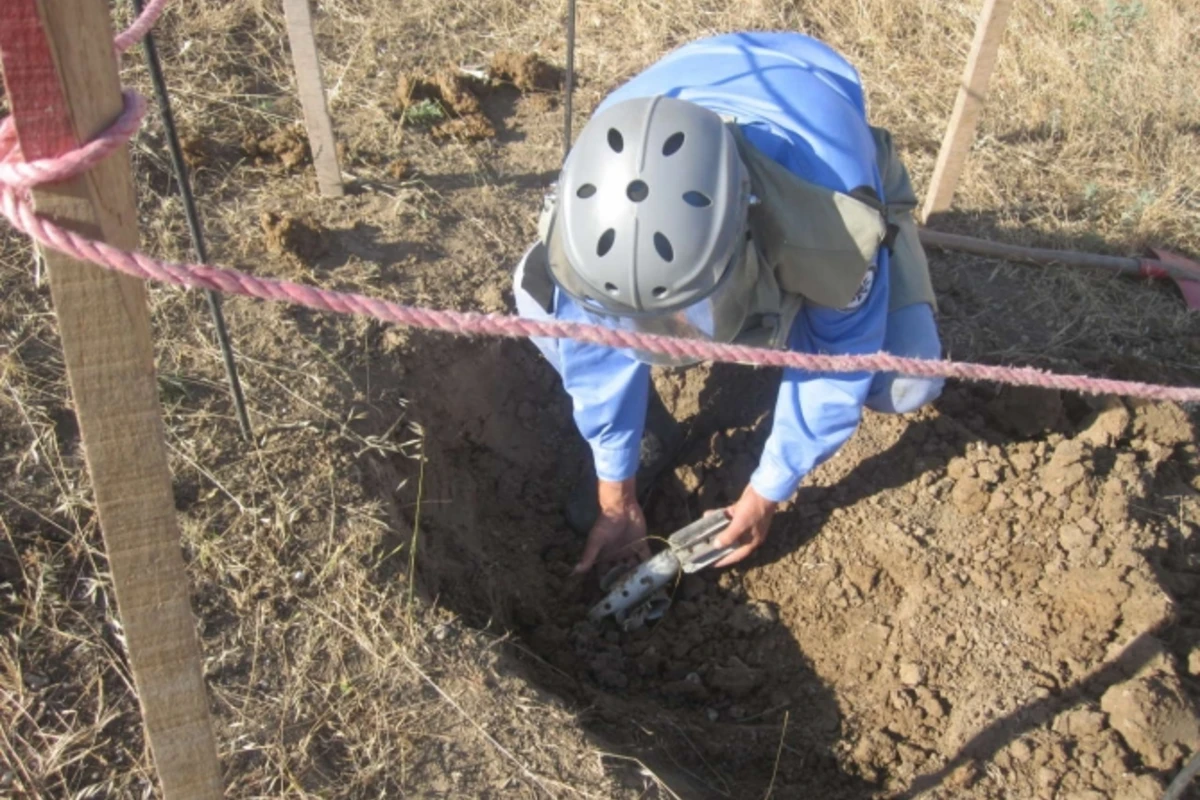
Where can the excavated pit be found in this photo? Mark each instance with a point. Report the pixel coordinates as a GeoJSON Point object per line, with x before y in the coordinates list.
{"type": "Point", "coordinates": [954, 589]}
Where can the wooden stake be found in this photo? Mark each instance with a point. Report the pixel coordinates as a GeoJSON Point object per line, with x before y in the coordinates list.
{"type": "Point", "coordinates": [960, 133]}
{"type": "Point", "coordinates": [62, 87]}
{"type": "Point", "coordinates": [312, 97]}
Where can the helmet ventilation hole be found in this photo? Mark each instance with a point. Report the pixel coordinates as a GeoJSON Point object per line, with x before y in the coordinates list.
{"type": "Point", "coordinates": [637, 191]}
{"type": "Point", "coordinates": [696, 199]}
{"type": "Point", "coordinates": [606, 242]}
{"type": "Point", "coordinates": [659, 291]}
{"type": "Point", "coordinates": [611, 288]}
{"type": "Point", "coordinates": [663, 245]}
{"type": "Point", "coordinates": [672, 144]}
{"type": "Point", "coordinates": [615, 140]}
{"type": "Point", "coordinates": [586, 191]}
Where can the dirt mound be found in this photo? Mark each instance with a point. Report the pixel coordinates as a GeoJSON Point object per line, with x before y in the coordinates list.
{"type": "Point", "coordinates": [289, 235]}
{"type": "Point", "coordinates": [452, 92]}
{"type": "Point", "coordinates": [195, 150]}
{"type": "Point", "coordinates": [451, 102]}
{"type": "Point", "coordinates": [526, 71]}
{"type": "Point", "coordinates": [287, 147]}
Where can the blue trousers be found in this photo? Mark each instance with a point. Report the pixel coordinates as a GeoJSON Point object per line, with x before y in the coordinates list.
{"type": "Point", "coordinates": [911, 333]}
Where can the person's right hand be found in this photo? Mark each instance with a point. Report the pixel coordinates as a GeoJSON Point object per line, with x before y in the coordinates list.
{"type": "Point", "coordinates": [619, 534]}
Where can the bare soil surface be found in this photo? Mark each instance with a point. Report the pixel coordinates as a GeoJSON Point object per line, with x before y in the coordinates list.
{"type": "Point", "coordinates": [950, 605]}
{"type": "Point", "coordinates": [996, 597]}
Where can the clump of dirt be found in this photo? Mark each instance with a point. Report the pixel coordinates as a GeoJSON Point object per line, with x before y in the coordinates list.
{"type": "Point", "coordinates": [195, 150]}
{"type": "Point", "coordinates": [289, 235]}
{"type": "Point", "coordinates": [461, 95]}
{"type": "Point", "coordinates": [455, 90]}
{"type": "Point", "coordinates": [1027, 410]}
{"type": "Point", "coordinates": [287, 147]}
{"type": "Point", "coordinates": [455, 93]}
{"type": "Point", "coordinates": [526, 71]}
{"type": "Point", "coordinates": [1153, 717]}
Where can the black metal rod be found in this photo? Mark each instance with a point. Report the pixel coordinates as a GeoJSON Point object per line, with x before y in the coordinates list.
{"type": "Point", "coordinates": [569, 78]}
{"type": "Point", "coordinates": [193, 221]}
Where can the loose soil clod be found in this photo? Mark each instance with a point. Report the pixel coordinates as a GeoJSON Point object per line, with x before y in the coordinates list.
{"type": "Point", "coordinates": [289, 235]}
{"type": "Point", "coordinates": [473, 127]}
{"type": "Point", "coordinates": [287, 147]}
{"type": "Point", "coordinates": [459, 94]}
{"type": "Point", "coordinates": [456, 94]}
{"type": "Point", "coordinates": [526, 71]}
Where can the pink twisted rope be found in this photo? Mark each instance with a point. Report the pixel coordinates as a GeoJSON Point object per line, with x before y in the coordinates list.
{"type": "Point", "coordinates": [140, 27]}
{"type": "Point", "coordinates": [198, 276]}
{"type": "Point", "coordinates": [16, 173]}
{"type": "Point", "coordinates": [16, 177]}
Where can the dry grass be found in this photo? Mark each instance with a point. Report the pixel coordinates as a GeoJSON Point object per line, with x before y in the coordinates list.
{"type": "Point", "coordinates": [325, 679]}
{"type": "Point", "coordinates": [324, 682]}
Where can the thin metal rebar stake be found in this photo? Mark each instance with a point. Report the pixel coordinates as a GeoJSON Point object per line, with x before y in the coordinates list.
{"type": "Point", "coordinates": [569, 79]}
{"type": "Point", "coordinates": [193, 220]}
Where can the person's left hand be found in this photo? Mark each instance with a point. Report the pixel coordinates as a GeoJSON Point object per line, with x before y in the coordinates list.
{"type": "Point", "coordinates": [619, 534]}
{"type": "Point", "coordinates": [749, 522]}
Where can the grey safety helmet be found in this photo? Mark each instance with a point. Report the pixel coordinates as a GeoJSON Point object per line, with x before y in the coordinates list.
{"type": "Point", "coordinates": [652, 209]}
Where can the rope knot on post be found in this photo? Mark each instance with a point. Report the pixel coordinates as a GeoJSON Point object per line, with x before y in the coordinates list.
{"type": "Point", "coordinates": [18, 175]}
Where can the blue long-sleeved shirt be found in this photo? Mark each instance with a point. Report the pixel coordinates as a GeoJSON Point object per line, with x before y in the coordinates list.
{"type": "Point", "coordinates": [815, 413]}
{"type": "Point", "coordinates": [801, 104]}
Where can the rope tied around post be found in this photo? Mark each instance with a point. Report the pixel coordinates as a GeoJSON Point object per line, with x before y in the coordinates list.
{"type": "Point", "coordinates": [140, 26]}
{"type": "Point", "coordinates": [16, 174]}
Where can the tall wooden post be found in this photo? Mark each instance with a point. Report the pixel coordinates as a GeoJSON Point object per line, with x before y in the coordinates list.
{"type": "Point", "coordinates": [312, 97]}
{"type": "Point", "coordinates": [960, 133]}
{"type": "Point", "coordinates": [61, 77]}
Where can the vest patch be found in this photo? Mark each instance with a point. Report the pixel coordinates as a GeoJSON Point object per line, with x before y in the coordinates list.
{"type": "Point", "coordinates": [864, 290]}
